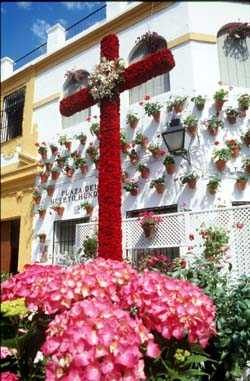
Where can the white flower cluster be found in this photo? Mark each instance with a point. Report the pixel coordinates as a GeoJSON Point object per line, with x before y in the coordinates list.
{"type": "Point", "coordinates": [104, 79]}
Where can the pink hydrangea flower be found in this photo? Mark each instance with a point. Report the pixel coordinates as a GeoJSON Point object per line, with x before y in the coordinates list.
{"type": "Point", "coordinates": [7, 376]}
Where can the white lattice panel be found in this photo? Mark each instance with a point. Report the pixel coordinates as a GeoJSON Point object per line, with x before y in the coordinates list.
{"type": "Point", "coordinates": [175, 229]}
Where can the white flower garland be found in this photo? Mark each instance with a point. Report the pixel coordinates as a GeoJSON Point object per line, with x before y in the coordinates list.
{"type": "Point", "coordinates": [104, 79]}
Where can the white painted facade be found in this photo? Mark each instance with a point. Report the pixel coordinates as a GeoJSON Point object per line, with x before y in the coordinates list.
{"type": "Point", "coordinates": [196, 72]}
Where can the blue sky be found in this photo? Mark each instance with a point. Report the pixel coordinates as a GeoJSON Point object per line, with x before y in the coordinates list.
{"type": "Point", "coordinates": [24, 24]}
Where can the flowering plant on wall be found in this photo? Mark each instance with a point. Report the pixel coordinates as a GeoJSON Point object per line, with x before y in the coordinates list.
{"type": "Point", "coordinates": [151, 39]}
{"type": "Point", "coordinates": [149, 218]}
{"type": "Point", "coordinates": [104, 79]}
{"type": "Point", "coordinates": [238, 31]}
{"type": "Point", "coordinates": [132, 186]}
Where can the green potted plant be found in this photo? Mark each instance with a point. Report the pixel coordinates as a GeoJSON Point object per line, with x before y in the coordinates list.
{"type": "Point", "coordinates": [133, 155]}
{"type": "Point", "coordinates": [95, 129]}
{"type": "Point", "coordinates": [88, 206]}
{"type": "Point", "coordinates": [44, 176]}
{"type": "Point", "coordinates": [41, 236]}
{"type": "Point", "coordinates": [176, 103]}
{"type": "Point", "coordinates": [81, 162]}
{"type": "Point", "coordinates": [37, 195]}
{"type": "Point", "coordinates": [141, 167]}
{"type": "Point", "coordinates": [66, 141]}
{"type": "Point", "coordinates": [246, 164]}
{"type": "Point", "coordinates": [42, 212]}
{"type": "Point", "coordinates": [244, 103]}
{"type": "Point", "coordinates": [214, 183]}
{"type": "Point", "coordinates": [124, 143]}
{"type": "Point", "coordinates": [48, 164]}
{"type": "Point", "coordinates": [148, 222]}
{"type": "Point", "coordinates": [92, 151]}
{"type": "Point", "coordinates": [158, 184]}
{"type": "Point", "coordinates": [241, 181]}
{"type": "Point", "coordinates": [69, 169]}
{"type": "Point", "coordinates": [82, 137]}
{"type": "Point", "coordinates": [220, 157]}
{"type": "Point", "coordinates": [55, 173]}
{"type": "Point", "coordinates": [152, 109]}
{"type": "Point", "coordinates": [231, 114]}
{"type": "Point", "coordinates": [154, 148]}
{"type": "Point", "coordinates": [132, 119]}
{"type": "Point", "coordinates": [169, 163]}
{"type": "Point", "coordinates": [54, 149]}
{"type": "Point", "coordinates": [212, 124]}
{"type": "Point", "coordinates": [245, 137]}
{"type": "Point", "coordinates": [199, 102]}
{"type": "Point", "coordinates": [124, 176]}
{"type": "Point", "coordinates": [141, 139]}
{"type": "Point", "coordinates": [220, 97]}
{"type": "Point", "coordinates": [190, 178]}
{"type": "Point", "coordinates": [59, 209]}
{"type": "Point", "coordinates": [132, 187]}
{"type": "Point", "coordinates": [42, 149]}
{"type": "Point", "coordinates": [234, 146]}
{"type": "Point", "coordinates": [60, 159]}
{"type": "Point", "coordinates": [50, 189]}
{"type": "Point", "coordinates": [190, 123]}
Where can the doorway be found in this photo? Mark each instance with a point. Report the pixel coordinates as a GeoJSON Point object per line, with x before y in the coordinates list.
{"type": "Point", "coordinates": [10, 232]}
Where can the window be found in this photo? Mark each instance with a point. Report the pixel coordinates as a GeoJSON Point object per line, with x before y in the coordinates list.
{"type": "Point", "coordinates": [154, 86]}
{"type": "Point", "coordinates": [170, 252]}
{"type": "Point", "coordinates": [74, 82]}
{"type": "Point", "coordinates": [64, 238]}
{"type": "Point", "coordinates": [12, 115]}
{"type": "Point", "coordinates": [234, 58]}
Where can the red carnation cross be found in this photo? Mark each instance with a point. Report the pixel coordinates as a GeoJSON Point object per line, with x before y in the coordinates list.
{"type": "Point", "coordinates": [109, 187]}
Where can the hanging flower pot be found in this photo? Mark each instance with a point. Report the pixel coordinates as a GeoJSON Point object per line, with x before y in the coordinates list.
{"type": "Point", "coordinates": [97, 163]}
{"type": "Point", "coordinates": [68, 145]}
{"type": "Point", "coordinates": [124, 147]}
{"type": "Point", "coordinates": [218, 104]}
{"type": "Point", "coordinates": [144, 172]}
{"type": "Point", "coordinates": [89, 210]}
{"type": "Point", "coordinates": [70, 172]}
{"type": "Point", "coordinates": [60, 210]}
{"type": "Point", "coordinates": [235, 151]}
{"type": "Point", "coordinates": [192, 183]}
{"type": "Point", "coordinates": [44, 177]}
{"type": "Point", "coordinates": [156, 153]}
{"type": "Point", "coordinates": [200, 106]}
{"type": "Point", "coordinates": [49, 166]}
{"type": "Point", "coordinates": [84, 169]}
{"type": "Point", "coordinates": [42, 238]}
{"type": "Point", "coordinates": [60, 162]}
{"type": "Point", "coordinates": [144, 142]}
{"type": "Point", "coordinates": [192, 130]}
{"type": "Point", "coordinates": [220, 165]}
{"type": "Point", "coordinates": [160, 188]}
{"type": "Point", "coordinates": [247, 168]}
{"type": "Point", "coordinates": [156, 116]}
{"type": "Point", "coordinates": [232, 119]}
{"type": "Point", "coordinates": [37, 199]}
{"type": "Point", "coordinates": [133, 192]}
{"type": "Point", "coordinates": [148, 231]}
{"type": "Point", "coordinates": [247, 141]}
{"type": "Point", "coordinates": [83, 140]}
{"type": "Point", "coordinates": [199, 102]}
{"type": "Point", "coordinates": [44, 155]}
{"type": "Point", "coordinates": [124, 176]}
{"type": "Point", "coordinates": [50, 191]}
{"type": "Point", "coordinates": [178, 107]}
{"type": "Point", "coordinates": [212, 189]}
{"type": "Point", "coordinates": [134, 158]}
{"type": "Point", "coordinates": [54, 150]}
{"type": "Point", "coordinates": [42, 213]}
{"type": "Point", "coordinates": [133, 124]}
{"type": "Point", "coordinates": [170, 168]}
{"type": "Point", "coordinates": [213, 130]}
{"type": "Point", "coordinates": [55, 175]}
{"type": "Point", "coordinates": [241, 185]}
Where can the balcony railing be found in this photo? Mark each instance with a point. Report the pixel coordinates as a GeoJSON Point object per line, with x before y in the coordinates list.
{"type": "Point", "coordinates": [83, 24]}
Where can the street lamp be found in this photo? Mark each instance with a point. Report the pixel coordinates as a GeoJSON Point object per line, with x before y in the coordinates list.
{"type": "Point", "coordinates": [177, 139]}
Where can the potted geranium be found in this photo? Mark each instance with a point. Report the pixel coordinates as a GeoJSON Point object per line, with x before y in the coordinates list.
{"type": "Point", "coordinates": [152, 108]}
{"type": "Point", "coordinates": [37, 195]}
{"type": "Point", "coordinates": [69, 169]}
{"type": "Point", "coordinates": [245, 137]}
{"type": "Point", "coordinates": [190, 178]}
{"type": "Point", "coordinates": [41, 236]}
{"type": "Point", "coordinates": [246, 164]}
{"type": "Point", "coordinates": [214, 183]}
{"type": "Point", "coordinates": [220, 157]}
{"type": "Point", "coordinates": [81, 162]}
{"type": "Point", "coordinates": [212, 124]}
{"type": "Point", "coordinates": [66, 141]}
{"type": "Point", "coordinates": [124, 176]}
{"type": "Point", "coordinates": [59, 209]}
{"type": "Point", "coordinates": [190, 123]}
{"type": "Point", "coordinates": [158, 184]}
{"type": "Point", "coordinates": [132, 187]}
{"type": "Point", "coordinates": [231, 114]}
{"type": "Point", "coordinates": [132, 119]}
{"type": "Point", "coordinates": [54, 149]}
{"type": "Point", "coordinates": [220, 97]}
{"type": "Point", "coordinates": [244, 103]}
{"type": "Point", "coordinates": [169, 163]}
{"type": "Point", "coordinates": [154, 148]}
{"type": "Point", "coordinates": [55, 173]}
{"type": "Point", "coordinates": [234, 146]}
{"type": "Point", "coordinates": [148, 222]}
{"type": "Point", "coordinates": [141, 139]}
{"type": "Point", "coordinates": [133, 155]}
{"type": "Point", "coordinates": [95, 129]}
{"type": "Point", "coordinates": [176, 103]}
{"type": "Point", "coordinates": [82, 137]}
{"type": "Point", "coordinates": [124, 143]}
{"type": "Point", "coordinates": [50, 189]}
{"type": "Point", "coordinates": [199, 102]}
{"type": "Point", "coordinates": [48, 164]}
{"type": "Point", "coordinates": [92, 151]}
{"type": "Point", "coordinates": [241, 181]}
{"type": "Point", "coordinates": [42, 149]}
{"type": "Point", "coordinates": [88, 206]}
{"type": "Point", "coordinates": [60, 160]}
{"type": "Point", "coordinates": [143, 169]}
{"type": "Point", "coordinates": [75, 154]}
{"type": "Point", "coordinates": [44, 176]}
{"type": "Point", "coordinates": [42, 212]}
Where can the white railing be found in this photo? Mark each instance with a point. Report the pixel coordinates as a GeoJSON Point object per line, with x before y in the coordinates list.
{"type": "Point", "coordinates": [175, 229]}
